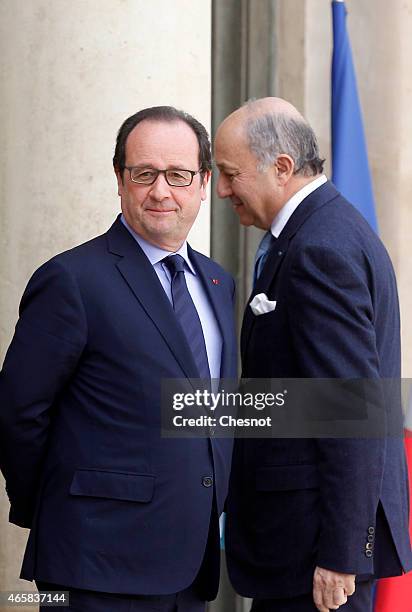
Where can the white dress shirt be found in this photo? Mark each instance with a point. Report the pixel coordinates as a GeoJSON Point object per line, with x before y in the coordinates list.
{"type": "Point", "coordinates": [210, 327]}
{"type": "Point", "coordinates": [291, 205]}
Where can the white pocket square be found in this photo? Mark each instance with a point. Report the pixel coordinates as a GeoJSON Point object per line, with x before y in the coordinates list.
{"type": "Point", "coordinates": [260, 304]}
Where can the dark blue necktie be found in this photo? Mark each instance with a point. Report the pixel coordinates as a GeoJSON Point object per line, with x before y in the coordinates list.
{"type": "Point", "coordinates": [187, 315]}
{"type": "Point", "coordinates": [262, 253]}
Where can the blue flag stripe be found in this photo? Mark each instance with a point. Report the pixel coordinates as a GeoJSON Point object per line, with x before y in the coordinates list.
{"type": "Point", "coordinates": [350, 167]}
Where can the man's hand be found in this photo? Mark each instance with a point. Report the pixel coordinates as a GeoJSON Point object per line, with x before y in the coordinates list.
{"type": "Point", "coordinates": [331, 589]}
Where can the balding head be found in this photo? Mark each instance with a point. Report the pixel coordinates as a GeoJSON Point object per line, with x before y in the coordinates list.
{"type": "Point", "coordinates": [264, 106]}
{"type": "Point", "coordinates": [272, 126]}
{"type": "Point", "coordinates": [269, 146]}
{"type": "Point", "coordinates": [272, 105]}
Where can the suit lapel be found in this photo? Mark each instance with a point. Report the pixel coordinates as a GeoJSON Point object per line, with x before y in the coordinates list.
{"type": "Point", "coordinates": [142, 279]}
{"type": "Point", "coordinates": [323, 194]}
{"type": "Point", "coordinates": [219, 301]}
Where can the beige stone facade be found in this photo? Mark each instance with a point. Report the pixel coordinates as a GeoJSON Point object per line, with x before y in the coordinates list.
{"type": "Point", "coordinates": [72, 71]}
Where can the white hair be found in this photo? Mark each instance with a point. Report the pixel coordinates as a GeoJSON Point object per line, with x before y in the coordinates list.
{"type": "Point", "coordinates": [272, 134]}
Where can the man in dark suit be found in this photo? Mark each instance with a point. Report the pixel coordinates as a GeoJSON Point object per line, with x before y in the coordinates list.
{"type": "Point", "coordinates": [306, 518]}
{"type": "Point", "coordinates": [123, 519]}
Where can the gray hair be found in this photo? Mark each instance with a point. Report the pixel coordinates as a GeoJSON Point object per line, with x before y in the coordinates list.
{"type": "Point", "coordinates": [270, 135]}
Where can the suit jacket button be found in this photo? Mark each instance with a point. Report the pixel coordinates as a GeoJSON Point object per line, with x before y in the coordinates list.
{"type": "Point", "coordinates": [371, 530]}
{"type": "Point", "coordinates": [371, 538]}
{"type": "Point", "coordinates": [368, 553]}
{"type": "Point", "coordinates": [207, 481]}
{"type": "Point", "coordinates": [369, 546]}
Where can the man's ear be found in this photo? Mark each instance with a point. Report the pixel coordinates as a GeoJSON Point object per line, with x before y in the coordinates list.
{"type": "Point", "coordinates": [205, 178]}
{"type": "Point", "coordinates": [285, 167]}
{"type": "Point", "coordinates": [119, 178]}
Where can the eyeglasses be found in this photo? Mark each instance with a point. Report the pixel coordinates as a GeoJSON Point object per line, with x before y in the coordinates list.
{"type": "Point", "coordinates": [175, 177]}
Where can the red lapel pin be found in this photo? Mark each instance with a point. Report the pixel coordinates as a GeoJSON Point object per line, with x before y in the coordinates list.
{"type": "Point", "coordinates": [215, 281]}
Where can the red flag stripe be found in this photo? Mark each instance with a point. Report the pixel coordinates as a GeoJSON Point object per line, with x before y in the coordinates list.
{"type": "Point", "coordinates": [395, 594]}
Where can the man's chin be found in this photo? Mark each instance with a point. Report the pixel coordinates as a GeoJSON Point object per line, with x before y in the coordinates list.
{"type": "Point", "coordinates": [162, 226]}
{"type": "Point", "coordinates": [165, 236]}
{"type": "Point", "coordinates": [245, 218]}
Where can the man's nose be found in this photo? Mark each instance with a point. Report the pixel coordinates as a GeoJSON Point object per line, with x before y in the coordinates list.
{"type": "Point", "coordinates": [223, 187]}
{"type": "Point", "coordinates": [160, 188]}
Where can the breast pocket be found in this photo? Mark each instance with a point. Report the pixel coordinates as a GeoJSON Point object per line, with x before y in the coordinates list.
{"type": "Point", "coordinates": [108, 484]}
{"type": "Point", "coordinates": [265, 319]}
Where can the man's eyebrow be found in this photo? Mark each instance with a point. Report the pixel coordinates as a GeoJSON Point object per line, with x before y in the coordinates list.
{"type": "Point", "coordinates": [177, 165]}
{"type": "Point", "coordinates": [224, 166]}
{"type": "Point", "coordinates": [171, 166]}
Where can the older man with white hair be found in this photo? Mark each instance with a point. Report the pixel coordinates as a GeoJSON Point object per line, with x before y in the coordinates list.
{"type": "Point", "coordinates": [310, 522]}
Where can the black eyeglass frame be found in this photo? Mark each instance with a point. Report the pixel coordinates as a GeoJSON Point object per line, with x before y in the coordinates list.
{"type": "Point", "coordinates": [164, 172]}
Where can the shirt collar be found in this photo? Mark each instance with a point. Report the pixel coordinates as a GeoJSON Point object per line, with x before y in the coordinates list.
{"type": "Point", "coordinates": [154, 253]}
{"type": "Point", "coordinates": [291, 205]}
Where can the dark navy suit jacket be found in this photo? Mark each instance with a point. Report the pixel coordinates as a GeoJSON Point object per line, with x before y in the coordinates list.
{"type": "Point", "coordinates": [341, 504]}
{"type": "Point", "coordinates": [111, 505]}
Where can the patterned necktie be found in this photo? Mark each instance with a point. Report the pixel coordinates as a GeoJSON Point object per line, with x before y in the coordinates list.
{"type": "Point", "coordinates": [187, 315]}
{"type": "Point", "coordinates": [262, 253]}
